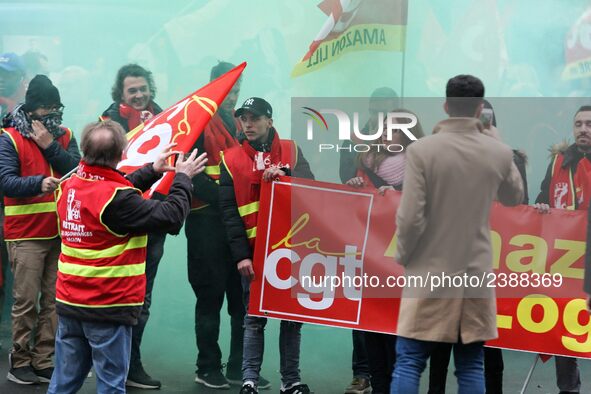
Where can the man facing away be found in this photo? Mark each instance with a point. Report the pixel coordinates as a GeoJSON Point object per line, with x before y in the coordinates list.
{"type": "Point", "coordinates": [451, 180]}
{"type": "Point", "coordinates": [101, 281]}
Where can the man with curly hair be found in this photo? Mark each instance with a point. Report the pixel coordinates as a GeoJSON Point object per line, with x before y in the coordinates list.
{"type": "Point", "coordinates": [133, 103]}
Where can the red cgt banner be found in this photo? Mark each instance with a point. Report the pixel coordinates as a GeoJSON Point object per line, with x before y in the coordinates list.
{"type": "Point", "coordinates": [325, 255]}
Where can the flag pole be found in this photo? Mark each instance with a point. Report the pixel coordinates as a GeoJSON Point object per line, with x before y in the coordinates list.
{"type": "Point", "coordinates": [69, 174]}
{"type": "Point", "coordinates": [402, 76]}
{"type": "Point", "coordinates": [403, 71]}
{"type": "Point", "coordinates": [528, 377]}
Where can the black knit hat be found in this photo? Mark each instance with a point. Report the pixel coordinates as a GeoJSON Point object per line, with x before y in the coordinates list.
{"type": "Point", "coordinates": [41, 93]}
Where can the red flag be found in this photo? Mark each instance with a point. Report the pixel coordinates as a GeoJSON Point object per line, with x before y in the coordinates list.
{"type": "Point", "coordinates": [182, 123]}
{"type": "Point", "coordinates": [355, 25]}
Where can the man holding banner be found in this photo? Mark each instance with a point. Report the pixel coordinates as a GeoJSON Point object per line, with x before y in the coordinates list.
{"type": "Point", "coordinates": [442, 192]}
{"type": "Point", "coordinates": [262, 156]}
{"type": "Point", "coordinates": [567, 185]}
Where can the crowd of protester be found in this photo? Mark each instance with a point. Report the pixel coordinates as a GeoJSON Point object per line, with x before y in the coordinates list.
{"type": "Point", "coordinates": [70, 314]}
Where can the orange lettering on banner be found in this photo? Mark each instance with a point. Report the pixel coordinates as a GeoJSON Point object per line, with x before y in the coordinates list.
{"type": "Point", "coordinates": [313, 243]}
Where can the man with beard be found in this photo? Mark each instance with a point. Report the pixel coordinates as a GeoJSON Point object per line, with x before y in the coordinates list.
{"type": "Point", "coordinates": [133, 96]}
{"type": "Point", "coordinates": [35, 151]}
{"type": "Point", "coordinates": [567, 185]}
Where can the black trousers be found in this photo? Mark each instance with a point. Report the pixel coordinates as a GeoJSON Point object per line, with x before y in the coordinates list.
{"type": "Point", "coordinates": [154, 253]}
{"type": "Point", "coordinates": [439, 361]}
{"type": "Point", "coordinates": [359, 357]}
{"type": "Point", "coordinates": [214, 276]}
{"type": "Point", "coordinates": [381, 349]}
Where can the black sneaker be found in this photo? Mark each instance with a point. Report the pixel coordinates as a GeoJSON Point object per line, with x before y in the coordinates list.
{"type": "Point", "coordinates": [22, 375]}
{"type": "Point", "coordinates": [248, 389]}
{"type": "Point", "coordinates": [137, 377]}
{"type": "Point", "coordinates": [297, 389]}
{"type": "Point", "coordinates": [212, 379]}
{"type": "Point", "coordinates": [44, 374]}
{"type": "Point", "coordinates": [236, 379]}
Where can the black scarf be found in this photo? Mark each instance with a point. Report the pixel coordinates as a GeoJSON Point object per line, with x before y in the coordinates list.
{"type": "Point", "coordinates": [21, 121]}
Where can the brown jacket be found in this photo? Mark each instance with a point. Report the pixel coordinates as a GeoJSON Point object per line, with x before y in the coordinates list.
{"type": "Point", "coordinates": [451, 180]}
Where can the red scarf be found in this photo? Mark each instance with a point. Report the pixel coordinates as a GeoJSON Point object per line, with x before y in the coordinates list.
{"type": "Point", "coordinates": [583, 184]}
{"type": "Point", "coordinates": [217, 138]}
{"type": "Point", "coordinates": [263, 160]}
{"type": "Point", "coordinates": [133, 116]}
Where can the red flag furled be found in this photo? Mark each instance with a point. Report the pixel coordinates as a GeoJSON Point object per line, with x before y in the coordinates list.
{"type": "Point", "coordinates": [182, 124]}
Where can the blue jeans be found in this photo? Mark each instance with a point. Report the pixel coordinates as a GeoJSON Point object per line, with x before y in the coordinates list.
{"type": "Point", "coordinates": [411, 360]}
{"type": "Point", "coordinates": [254, 346]}
{"type": "Point", "coordinates": [80, 345]}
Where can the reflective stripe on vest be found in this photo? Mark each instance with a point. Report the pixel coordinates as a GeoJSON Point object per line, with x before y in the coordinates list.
{"type": "Point", "coordinates": [114, 251]}
{"type": "Point", "coordinates": [110, 271]}
{"type": "Point", "coordinates": [29, 209]}
{"type": "Point", "coordinates": [212, 170]}
{"type": "Point", "coordinates": [97, 306]}
{"type": "Point", "coordinates": [248, 208]}
{"type": "Point", "coordinates": [251, 232]}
